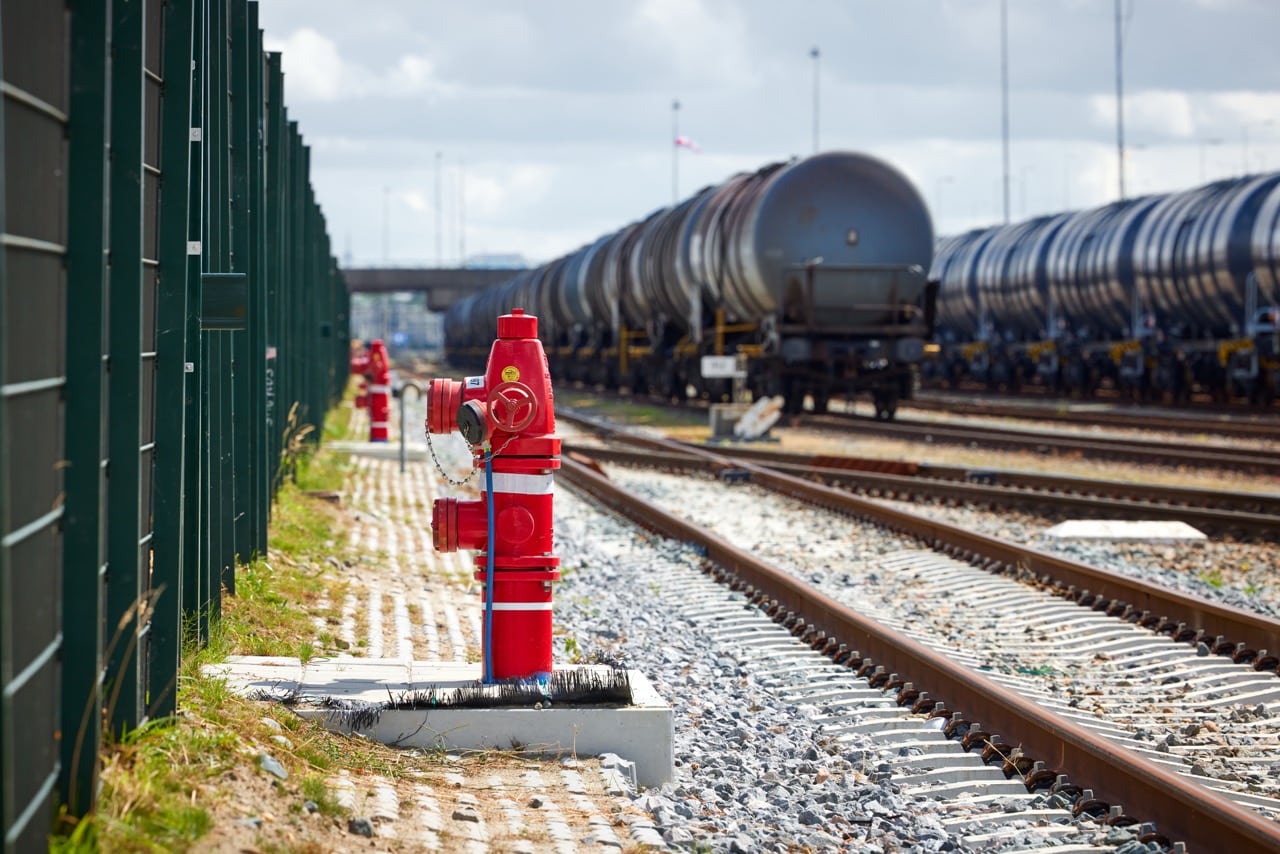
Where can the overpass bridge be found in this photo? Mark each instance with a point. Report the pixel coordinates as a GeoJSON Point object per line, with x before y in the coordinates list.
{"type": "Point", "coordinates": [443, 286]}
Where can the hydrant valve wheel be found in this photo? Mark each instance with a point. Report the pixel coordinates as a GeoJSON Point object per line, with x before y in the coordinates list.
{"type": "Point", "coordinates": [512, 406]}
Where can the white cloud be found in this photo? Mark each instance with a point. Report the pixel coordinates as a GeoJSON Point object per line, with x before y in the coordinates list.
{"type": "Point", "coordinates": [316, 71]}
{"type": "Point", "coordinates": [1249, 108]}
{"type": "Point", "coordinates": [1153, 113]}
{"type": "Point", "coordinates": [691, 40]}
{"type": "Point", "coordinates": [340, 144]}
{"type": "Point", "coordinates": [312, 65]}
{"type": "Point", "coordinates": [415, 200]}
{"type": "Point", "coordinates": [561, 109]}
{"type": "Point", "coordinates": [495, 189]}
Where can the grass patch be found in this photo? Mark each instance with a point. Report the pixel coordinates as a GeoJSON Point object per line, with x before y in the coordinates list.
{"type": "Point", "coordinates": [271, 613]}
{"type": "Point", "coordinates": [301, 524]}
{"type": "Point", "coordinates": [1213, 578]}
{"type": "Point", "coordinates": [169, 784]}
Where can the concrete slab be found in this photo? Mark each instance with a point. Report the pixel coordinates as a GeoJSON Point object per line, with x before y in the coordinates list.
{"type": "Point", "coordinates": [370, 689]}
{"type": "Point", "coordinates": [1125, 531]}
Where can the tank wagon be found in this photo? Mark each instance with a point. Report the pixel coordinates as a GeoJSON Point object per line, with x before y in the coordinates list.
{"type": "Point", "coordinates": [1159, 296]}
{"type": "Point", "coordinates": [807, 279]}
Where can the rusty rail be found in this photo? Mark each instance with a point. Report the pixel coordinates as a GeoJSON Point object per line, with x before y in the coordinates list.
{"type": "Point", "coordinates": [1237, 513]}
{"type": "Point", "coordinates": [1183, 811]}
{"type": "Point", "coordinates": [1240, 424]}
{"type": "Point", "coordinates": [1243, 634]}
{"type": "Point", "coordinates": [1110, 448]}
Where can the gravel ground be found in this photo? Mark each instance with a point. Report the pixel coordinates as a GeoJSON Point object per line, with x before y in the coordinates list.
{"type": "Point", "coordinates": [754, 772]}
{"type": "Point", "coordinates": [945, 604]}
{"type": "Point", "coordinates": [1238, 573]}
{"type": "Point", "coordinates": [758, 772]}
{"type": "Point", "coordinates": [1244, 575]}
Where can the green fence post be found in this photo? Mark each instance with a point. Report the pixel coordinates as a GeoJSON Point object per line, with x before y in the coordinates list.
{"type": "Point", "coordinates": [258, 303]}
{"type": "Point", "coordinates": [195, 579]}
{"type": "Point", "coordinates": [244, 365]}
{"type": "Point", "coordinates": [220, 472]}
{"type": "Point", "coordinates": [83, 565]}
{"type": "Point", "coordinates": [125, 580]}
{"type": "Point", "coordinates": [176, 159]}
{"type": "Point", "coordinates": [276, 166]}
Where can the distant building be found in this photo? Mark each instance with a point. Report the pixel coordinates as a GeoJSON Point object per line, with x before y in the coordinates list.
{"type": "Point", "coordinates": [400, 319]}
{"type": "Point", "coordinates": [498, 260]}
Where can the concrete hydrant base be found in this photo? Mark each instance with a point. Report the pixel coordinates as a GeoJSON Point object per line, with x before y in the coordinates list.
{"type": "Point", "coordinates": [640, 731]}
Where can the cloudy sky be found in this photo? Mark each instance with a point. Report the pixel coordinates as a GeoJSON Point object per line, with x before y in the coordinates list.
{"type": "Point", "coordinates": [542, 125]}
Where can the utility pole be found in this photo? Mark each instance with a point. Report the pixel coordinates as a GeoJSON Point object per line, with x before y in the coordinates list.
{"type": "Point", "coordinates": [1120, 95]}
{"type": "Point", "coordinates": [386, 220]}
{"type": "Point", "coordinates": [439, 218]}
{"type": "Point", "coordinates": [675, 152]}
{"type": "Point", "coordinates": [814, 53]}
{"type": "Point", "coordinates": [462, 213]}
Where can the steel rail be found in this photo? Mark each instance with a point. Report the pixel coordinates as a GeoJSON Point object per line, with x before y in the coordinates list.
{"type": "Point", "coordinates": [1187, 618]}
{"type": "Point", "coordinates": [1136, 450]}
{"type": "Point", "coordinates": [1141, 503]}
{"type": "Point", "coordinates": [1182, 810]}
{"type": "Point", "coordinates": [1239, 425]}
{"type": "Point", "coordinates": [1266, 503]}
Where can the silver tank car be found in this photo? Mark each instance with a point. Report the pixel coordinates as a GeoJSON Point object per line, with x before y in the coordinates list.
{"type": "Point", "coordinates": [1174, 291]}
{"type": "Point", "coordinates": [814, 270]}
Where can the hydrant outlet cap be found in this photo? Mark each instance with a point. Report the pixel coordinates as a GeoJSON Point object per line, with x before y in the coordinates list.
{"type": "Point", "coordinates": [517, 324]}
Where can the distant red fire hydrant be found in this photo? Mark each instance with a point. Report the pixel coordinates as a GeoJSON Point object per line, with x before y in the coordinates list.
{"type": "Point", "coordinates": [379, 375]}
{"type": "Point", "coordinates": [508, 417]}
{"type": "Point", "coordinates": [359, 368]}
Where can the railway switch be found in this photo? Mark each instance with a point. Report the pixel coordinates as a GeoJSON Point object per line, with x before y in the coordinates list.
{"type": "Point", "coordinates": [508, 417]}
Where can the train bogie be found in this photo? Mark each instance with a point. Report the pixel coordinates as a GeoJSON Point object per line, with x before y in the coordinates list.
{"type": "Point", "coordinates": [1157, 296]}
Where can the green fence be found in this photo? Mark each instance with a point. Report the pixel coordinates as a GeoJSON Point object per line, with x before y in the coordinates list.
{"type": "Point", "coordinates": [167, 297]}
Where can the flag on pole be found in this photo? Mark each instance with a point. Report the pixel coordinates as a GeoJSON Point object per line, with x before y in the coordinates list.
{"type": "Point", "coordinates": [688, 143]}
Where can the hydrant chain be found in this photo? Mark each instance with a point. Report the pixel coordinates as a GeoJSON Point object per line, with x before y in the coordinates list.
{"type": "Point", "coordinates": [440, 467]}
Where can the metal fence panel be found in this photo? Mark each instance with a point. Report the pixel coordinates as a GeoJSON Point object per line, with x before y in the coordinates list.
{"type": "Point", "coordinates": [33, 116]}
{"type": "Point", "coordinates": [138, 454]}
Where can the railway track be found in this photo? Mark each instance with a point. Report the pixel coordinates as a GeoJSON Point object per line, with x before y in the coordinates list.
{"type": "Point", "coordinates": [1145, 451]}
{"type": "Point", "coordinates": [1239, 514]}
{"type": "Point", "coordinates": [998, 719]}
{"type": "Point", "coordinates": [1236, 425]}
{"type": "Point", "coordinates": [1245, 636]}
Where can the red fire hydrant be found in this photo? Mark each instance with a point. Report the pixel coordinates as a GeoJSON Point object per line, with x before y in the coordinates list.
{"type": "Point", "coordinates": [508, 416]}
{"type": "Point", "coordinates": [359, 368]}
{"type": "Point", "coordinates": [379, 374]}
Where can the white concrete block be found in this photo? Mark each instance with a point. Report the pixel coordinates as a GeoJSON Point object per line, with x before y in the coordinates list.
{"type": "Point", "coordinates": [1126, 531]}
{"type": "Point", "coordinates": [641, 732]}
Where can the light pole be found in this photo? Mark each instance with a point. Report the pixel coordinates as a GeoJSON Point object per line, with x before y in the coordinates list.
{"type": "Point", "coordinates": [462, 213]}
{"type": "Point", "coordinates": [439, 217]}
{"type": "Point", "coordinates": [1120, 96]}
{"type": "Point", "coordinates": [1004, 99]}
{"type": "Point", "coordinates": [1205, 143]}
{"type": "Point", "coordinates": [386, 219]}
{"type": "Point", "coordinates": [813, 52]}
{"type": "Point", "coordinates": [675, 152]}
